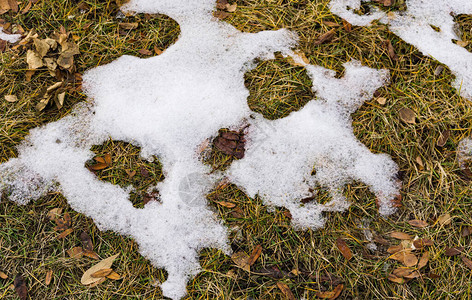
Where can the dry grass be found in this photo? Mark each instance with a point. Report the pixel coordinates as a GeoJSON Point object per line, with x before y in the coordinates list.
{"type": "Point", "coordinates": [28, 243]}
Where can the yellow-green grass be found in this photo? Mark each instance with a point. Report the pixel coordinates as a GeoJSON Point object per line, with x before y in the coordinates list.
{"type": "Point", "coordinates": [28, 243]}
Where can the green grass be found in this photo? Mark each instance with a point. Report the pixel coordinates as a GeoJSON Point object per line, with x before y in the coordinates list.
{"type": "Point", "coordinates": [28, 243]}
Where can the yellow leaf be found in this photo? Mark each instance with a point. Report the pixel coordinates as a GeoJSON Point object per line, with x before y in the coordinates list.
{"type": "Point", "coordinates": [104, 264]}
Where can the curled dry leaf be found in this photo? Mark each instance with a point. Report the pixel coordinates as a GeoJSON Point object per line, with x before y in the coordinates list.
{"type": "Point", "coordinates": [128, 26]}
{"type": "Point", "coordinates": [407, 115]}
{"type": "Point", "coordinates": [400, 235]}
{"type": "Point", "coordinates": [412, 275]}
{"type": "Point", "coordinates": [34, 60]}
{"type": "Point", "coordinates": [130, 173]}
{"type": "Point", "coordinates": [255, 255]}
{"type": "Point", "coordinates": [418, 223]}
{"type": "Point", "coordinates": [113, 276]}
{"type": "Point", "coordinates": [54, 213]}
{"type": "Point", "coordinates": [91, 254]}
{"type": "Point", "coordinates": [344, 249]}
{"type": "Point", "coordinates": [396, 279]}
{"type": "Point", "coordinates": [421, 243]}
{"type": "Point", "coordinates": [241, 259]}
{"type": "Point", "coordinates": [226, 204]}
{"type": "Point", "coordinates": [86, 241]}
{"type": "Point", "coordinates": [325, 37]}
{"type": "Point", "coordinates": [391, 51]}
{"type": "Point", "coordinates": [443, 137]}
{"type": "Point", "coordinates": [99, 166]}
{"type": "Point", "coordinates": [104, 264]}
{"type": "Point", "coordinates": [48, 279]}
{"type": "Point", "coordinates": [402, 272]}
{"type": "Point", "coordinates": [466, 231]}
{"type": "Point", "coordinates": [381, 100]}
{"type": "Point", "coordinates": [394, 249]}
{"type": "Point", "coordinates": [107, 159]}
{"type": "Point", "coordinates": [231, 7]}
{"type": "Point", "coordinates": [285, 290]}
{"type": "Point", "coordinates": [65, 233]}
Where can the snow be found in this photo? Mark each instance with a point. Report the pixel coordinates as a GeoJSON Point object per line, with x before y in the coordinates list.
{"type": "Point", "coordinates": [170, 104]}
{"type": "Point", "coordinates": [11, 38]}
{"type": "Point", "coordinates": [414, 26]}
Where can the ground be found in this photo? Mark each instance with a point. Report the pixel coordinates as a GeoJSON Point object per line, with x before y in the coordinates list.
{"type": "Point", "coordinates": [433, 182]}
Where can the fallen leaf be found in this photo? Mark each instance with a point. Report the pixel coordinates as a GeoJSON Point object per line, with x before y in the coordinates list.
{"type": "Point", "coordinates": [76, 252]}
{"type": "Point", "coordinates": [41, 47]}
{"type": "Point", "coordinates": [20, 287]}
{"type": "Point", "coordinates": [66, 60]}
{"type": "Point", "coordinates": [418, 223]}
{"type": "Point", "coordinates": [330, 24]}
{"type": "Point", "coordinates": [86, 241]}
{"type": "Point", "coordinates": [129, 26]}
{"type": "Point", "coordinates": [462, 43]}
{"type": "Point", "coordinates": [453, 251]}
{"type": "Point", "coordinates": [412, 275]}
{"type": "Point", "coordinates": [420, 163]}
{"type": "Point", "coordinates": [107, 159]}
{"type": "Point", "coordinates": [34, 60]}
{"type": "Point", "coordinates": [114, 276]}
{"type": "Point", "coordinates": [54, 213]}
{"type": "Point", "coordinates": [11, 98]}
{"type": "Point", "coordinates": [3, 275]}
{"type": "Point", "coordinates": [331, 295]}
{"type": "Point", "coordinates": [130, 173]}
{"type": "Point", "coordinates": [272, 272]}
{"type": "Point", "coordinates": [407, 115]}
{"type": "Point", "coordinates": [231, 7]}
{"type": "Point", "coordinates": [438, 70]}
{"type": "Point", "coordinates": [466, 231]}
{"type": "Point", "coordinates": [381, 100]}
{"type": "Point", "coordinates": [104, 264]}
{"type": "Point", "coordinates": [326, 37]}
{"type": "Point", "coordinates": [445, 219]}
{"type": "Point", "coordinates": [347, 26]}
{"type": "Point", "coordinates": [241, 259]}
{"type": "Point", "coordinates": [433, 275]}
{"type": "Point", "coordinates": [102, 273]}
{"type": "Point", "coordinates": [145, 52]}
{"type": "Point", "coordinates": [226, 204]}
{"type": "Point", "coordinates": [99, 281]}
{"type": "Point", "coordinates": [466, 261]}
{"type": "Point", "coordinates": [59, 100]}
{"type": "Point", "coordinates": [443, 137]}
{"type": "Point", "coordinates": [221, 15]}
{"type": "Point", "coordinates": [99, 166]}
{"type": "Point", "coordinates": [410, 260]}
{"type": "Point", "coordinates": [421, 243]}
{"type": "Point", "coordinates": [395, 279]}
{"type": "Point", "coordinates": [391, 51]}
{"type": "Point", "coordinates": [402, 272]}
{"type": "Point", "coordinates": [29, 74]}
{"type": "Point", "coordinates": [343, 247]}
{"type": "Point", "coordinates": [221, 4]}
{"type": "Point", "coordinates": [48, 279]}
{"type": "Point", "coordinates": [255, 255]}
{"type": "Point", "coordinates": [65, 233]}
{"type": "Point", "coordinates": [27, 7]}
{"type": "Point", "coordinates": [50, 63]}
{"type": "Point", "coordinates": [423, 260]}
{"type": "Point", "coordinates": [99, 159]}
{"type": "Point", "coordinates": [400, 235]}
{"type": "Point", "coordinates": [285, 290]}
{"type": "Point", "coordinates": [91, 254]}
{"type": "Point", "coordinates": [394, 249]}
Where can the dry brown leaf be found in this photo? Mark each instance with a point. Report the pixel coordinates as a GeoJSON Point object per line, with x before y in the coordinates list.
{"type": "Point", "coordinates": [91, 254]}
{"type": "Point", "coordinates": [421, 243]}
{"type": "Point", "coordinates": [104, 264]}
{"type": "Point", "coordinates": [107, 159]}
{"type": "Point", "coordinates": [381, 100]}
{"type": "Point", "coordinates": [391, 51]}
{"type": "Point", "coordinates": [423, 260]}
{"type": "Point", "coordinates": [54, 213]}
{"type": "Point", "coordinates": [410, 260]}
{"type": "Point", "coordinates": [145, 52]}
{"type": "Point", "coordinates": [66, 60]}
{"type": "Point", "coordinates": [326, 37]}
{"type": "Point", "coordinates": [462, 43]}
{"type": "Point", "coordinates": [445, 219]}
{"type": "Point", "coordinates": [11, 98]}
{"type": "Point", "coordinates": [241, 259]}
{"type": "Point", "coordinates": [466, 261]}
{"type": "Point", "coordinates": [59, 100]}
{"type": "Point", "coordinates": [27, 8]}
{"type": "Point", "coordinates": [443, 137]}
{"type": "Point", "coordinates": [255, 255]}
{"type": "Point", "coordinates": [99, 166]}
{"type": "Point", "coordinates": [331, 24]}
{"type": "Point", "coordinates": [50, 63]}
{"type": "Point", "coordinates": [331, 295]}
{"type": "Point", "coordinates": [130, 173]}
{"type": "Point", "coordinates": [402, 272]}
{"type": "Point", "coordinates": [407, 115]}
{"type": "Point", "coordinates": [86, 241]}
{"type": "Point", "coordinates": [285, 290]}
{"type": "Point", "coordinates": [466, 231]}
{"type": "Point", "coordinates": [418, 223]}
{"type": "Point", "coordinates": [20, 287]}
{"type": "Point", "coordinates": [99, 159]}
{"type": "Point", "coordinates": [414, 274]}
{"type": "Point", "coordinates": [102, 273]}
{"type": "Point", "coordinates": [400, 255]}
{"type": "Point", "coordinates": [396, 279]}
{"type": "Point", "coordinates": [343, 247]}
{"type": "Point", "coordinates": [400, 235]}
{"type": "Point", "coordinates": [41, 47]}
{"type": "Point", "coordinates": [129, 26]}
{"type": "Point", "coordinates": [48, 279]}
{"type": "Point", "coordinates": [29, 74]}
{"type": "Point", "coordinates": [226, 204]}
{"type": "Point", "coordinates": [114, 276]}
{"type": "Point", "coordinates": [419, 161]}
{"type": "Point", "coordinates": [76, 252]}
{"type": "Point", "coordinates": [99, 281]}
{"type": "Point", "coordinates": [221, 15]}
{"type": "Point", "coordinates": [34, 60]}
{"type": "Point", "coordinates": [221, 4]}
{"type": "Point", "coordinates": [65, 233]}
{"type": "Point", "coordinates": [453, 251]}
{"type": "Point", "coordinates": [231, 7]}
{"type": "Point", "coordinates": [394, 249]}
{"type": "Point", "coordinates": [347, 26]}
{"type": "Point", "coordinates": [3, 275]}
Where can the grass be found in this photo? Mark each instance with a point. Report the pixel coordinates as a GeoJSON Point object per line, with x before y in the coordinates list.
{"type": "Point", "coordinates": [28, 243]}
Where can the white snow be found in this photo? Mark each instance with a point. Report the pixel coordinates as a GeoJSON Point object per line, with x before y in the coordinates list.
{"type": "Point", "coordinates": [414, 26]}
{"type": "Point", "coordinates": [168, 105]}
{"type": "Point", "coordinates": [11, 38]}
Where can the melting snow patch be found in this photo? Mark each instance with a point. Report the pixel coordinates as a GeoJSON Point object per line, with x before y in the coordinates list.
{"type": "Point", "coordinates": [11, 38]}
{"type": "Point", "coordinates": [415, 26]}
{"type": "Point", "coordinates": [170, 104]}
